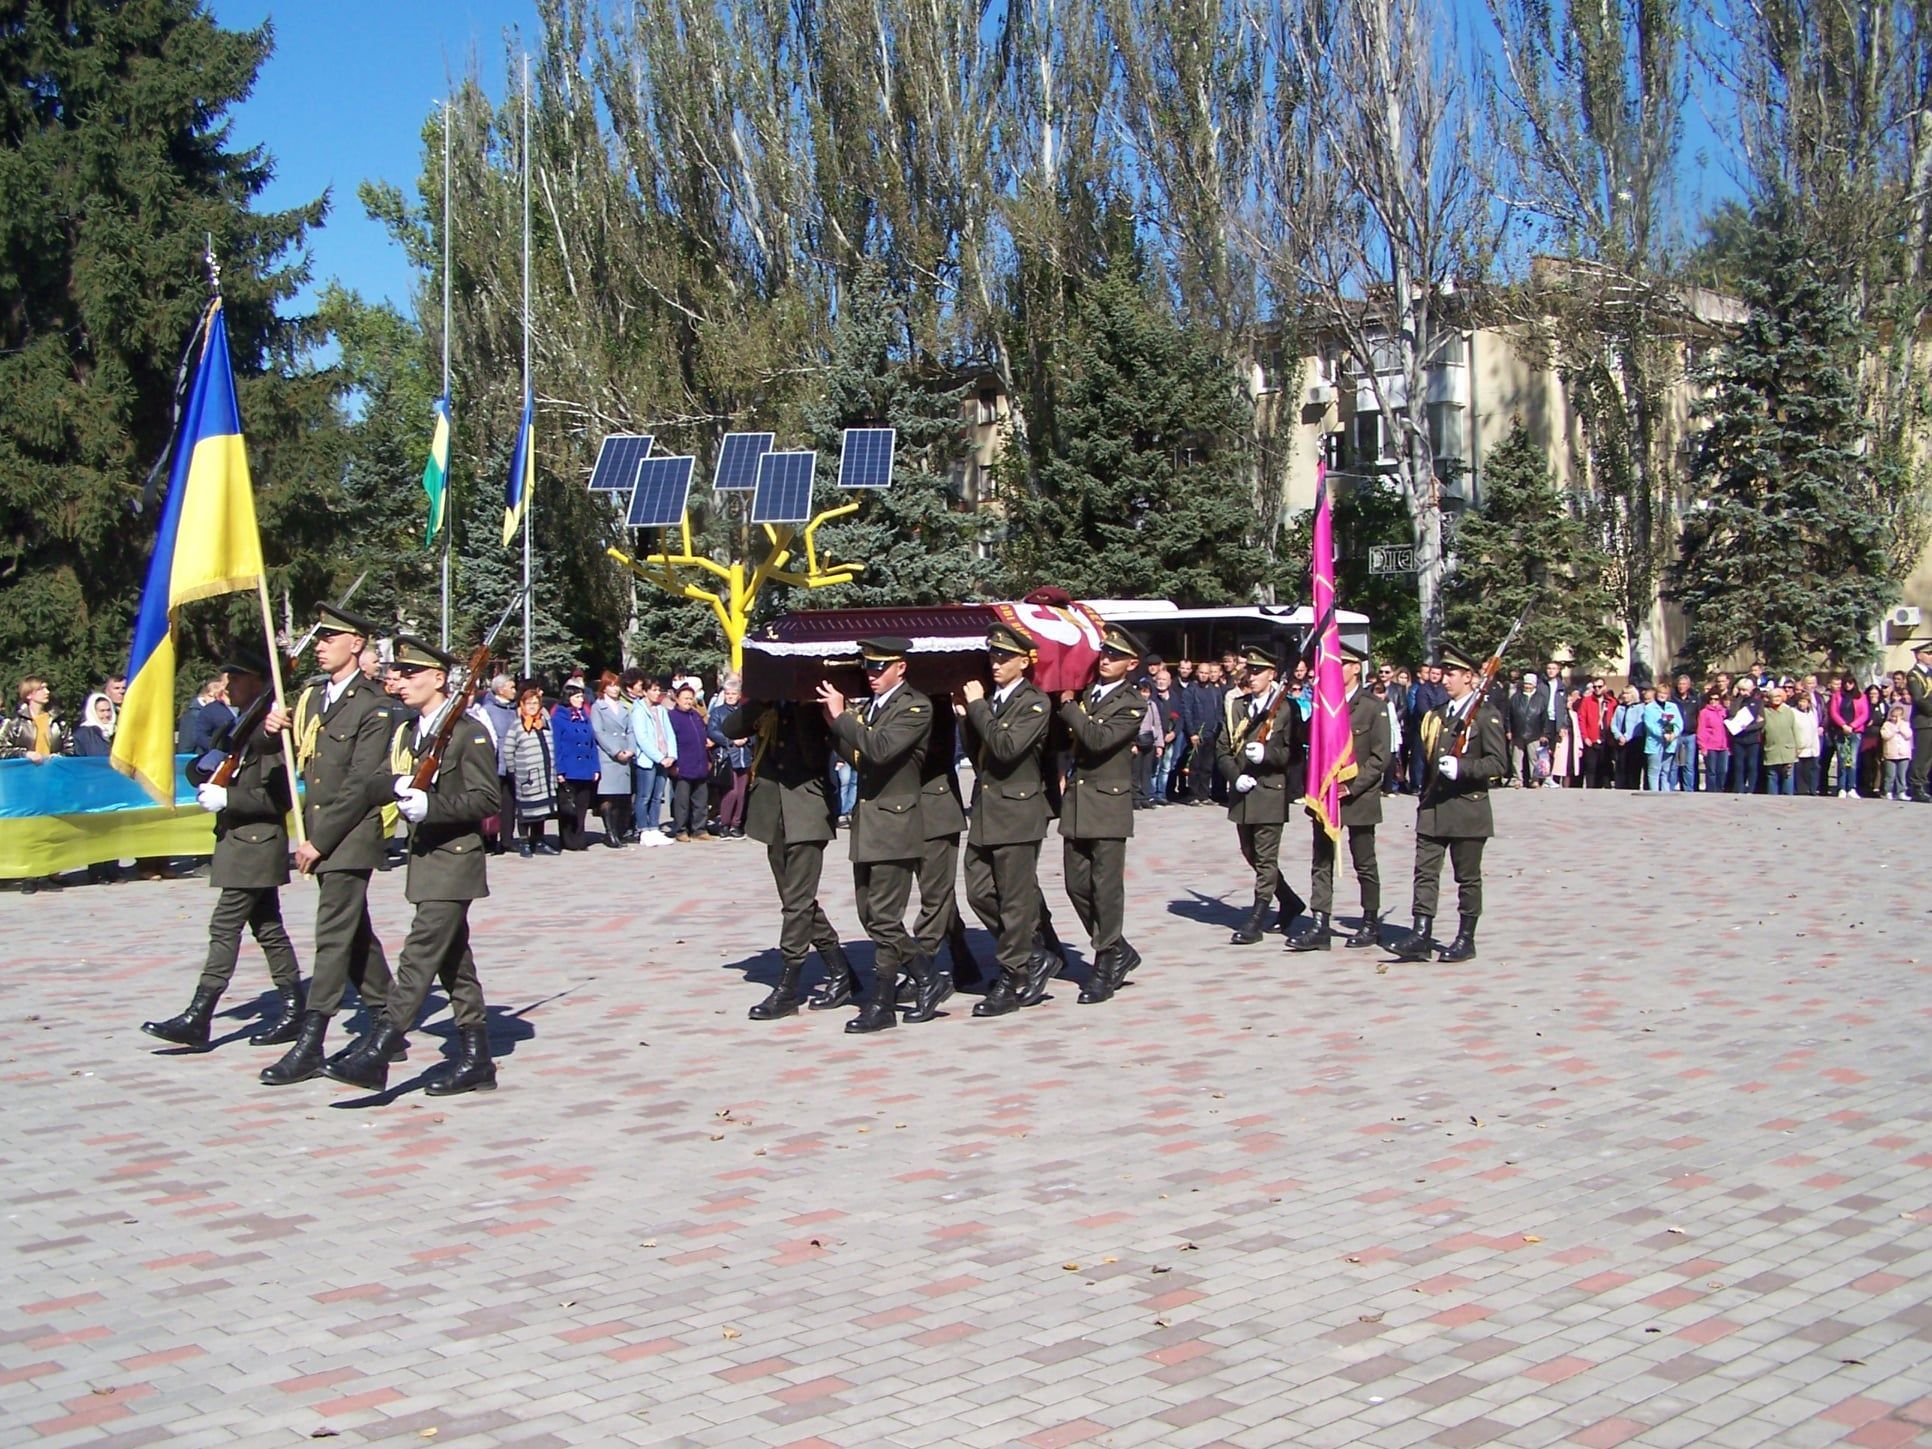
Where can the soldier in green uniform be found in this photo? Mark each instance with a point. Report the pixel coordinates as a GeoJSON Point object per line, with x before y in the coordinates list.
{"type": "Point", "coordinates": [1010, 815]}
{"type": "Point", "coordinates": [1097, 806]}
{"type": "Point", "coordinates": [942, 820]}
{"type": "Point", "coordinates": [887, 741]}
{"type": "Point", "coordinates": [342, 749]}
{"type": "Point", "coordinates": [1368, 727]}
{"type": "Point", "coordinates": [249, 868]}
{"type": "Point", "coordinates": [790, 810]}
{"type": "Point", "coordinates": [1253, 752]}
{"type": "Point", "coordinates": [446, 873]}
{"type": "Point", "coordinates": [1918, 684]}
{"type": "Point", "coordinates": [1452, 813]}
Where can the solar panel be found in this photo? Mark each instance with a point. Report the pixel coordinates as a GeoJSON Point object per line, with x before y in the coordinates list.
{"type": "Point", "coordinates": [784, 490]}
{"type": "Point", "coordinates": [865, 461]}
{"type": "Point", "coordinates": [617, 461]}
{"type": "Point", "coordinates": [738, 459]}
{"type": "Point", "coordinates": [663, 486]}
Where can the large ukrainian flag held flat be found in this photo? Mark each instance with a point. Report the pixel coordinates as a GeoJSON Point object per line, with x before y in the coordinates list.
{"type": "Point", "coordinates": [523, 468]}
{"type": "Point", "coordinates": [207, 544]}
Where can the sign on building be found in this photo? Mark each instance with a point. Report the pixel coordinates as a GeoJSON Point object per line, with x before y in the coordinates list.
{"type": "Point", "coordinates": [1392, 558]}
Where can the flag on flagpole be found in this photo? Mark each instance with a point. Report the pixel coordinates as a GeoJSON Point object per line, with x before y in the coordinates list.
{"type": "Point", "coordinates": [436, 472]}
{"type": "Point", "coordinates": [523, 473]}
{"type": "Point", "coordinates": [207, 544]}
{"type": "Point", "coordinates": [1331, 742]}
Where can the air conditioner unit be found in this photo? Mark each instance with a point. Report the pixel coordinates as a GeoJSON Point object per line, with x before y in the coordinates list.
{"type": "Point", "coordinates": [1905, 616]}
{"type": "Point", "coordinates": [1320, 394]}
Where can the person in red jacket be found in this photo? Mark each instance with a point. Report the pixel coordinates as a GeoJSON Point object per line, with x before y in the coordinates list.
{"type": "Point", "coordinates": [1587, 725]}
{"type": "Point", "coordinates": [1848, 716]}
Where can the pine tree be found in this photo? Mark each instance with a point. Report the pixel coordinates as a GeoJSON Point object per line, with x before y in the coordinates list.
{"type": "Point", "coordinates": [1785, 553]}
{"type": "Point", "coordinates": [115, 166]}
{"type": "Point", "coordinates": [1143, 485]}
{"type": "Point", "coordinates": [1527, 547]}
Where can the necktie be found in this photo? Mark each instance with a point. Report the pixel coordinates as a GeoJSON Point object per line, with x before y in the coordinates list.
{"type": "Point", "coordinates": [1093, 698]}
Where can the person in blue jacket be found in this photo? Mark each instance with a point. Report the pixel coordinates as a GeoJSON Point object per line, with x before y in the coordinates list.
{"type": "Point", "coordinates": [575, 743]}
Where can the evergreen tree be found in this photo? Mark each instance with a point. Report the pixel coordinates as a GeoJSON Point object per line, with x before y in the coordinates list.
{"type": "Point", "coordinates": [1143, 485]}
{"type": "Point", "coordinates": [1527, 547]}
{"type": "Point", "coordinates": [1785, 554]}
{"type": "Point", "coordinates": [115, 167]}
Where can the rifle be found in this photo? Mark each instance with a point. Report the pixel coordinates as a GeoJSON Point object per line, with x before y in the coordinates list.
{"type": "Point", "coordinates": [1492, 666]}
{"type": "Point", "coordinates": [242, 732]}
{"type": "Point", "coordinates": [431, 760]}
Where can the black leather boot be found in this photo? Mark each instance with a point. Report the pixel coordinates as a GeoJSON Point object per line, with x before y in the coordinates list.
{"type": "Point", "coordinates": [881, 1009]}
{"type": "Point", "coordinates": [1369, 933]}
{"type": "Point", "coordinates": [472, 1071]}
{"type": "Point", "coordinates": [930, 986]}
{"type": "Point", "coordinates": [396, 1049]}
{"type": "Point", "coordinates": [840, 984]}
{"type": "Point", "coordinates": [783, 1000]}
{"type": "Point", "coordinates": [1041, 967]}
{"type": "Point", "coordinates": [368, 1068]}
{"type": "Point", "coordinates": [1249, 931]}
{"type": "Point", "coordinates": [967, 972]}
{"type": "Point", "coordinates": [1050, 939]}
{"type": "Point", "coordinates": [304, 1059]}
{"type": "Point", "coordinates": [190, 1028]}
{"type": "Point", "coordinates": [1100, 981]}
{"type": "Point", "coordinates": [1001, 998]}
{"type": "Point", "coordinates": [1126, 960]}
{"type": "Point", "coordinates": [283, 1029]}
{"type": "Point", "coordinates": [1463, 948]}
{"type": "Point", "coordinates": [1417, 943]}
{"type": "Point", "coordinates": [1291, 906]}
{"type": "Point", "coordinates": [1312, 934]}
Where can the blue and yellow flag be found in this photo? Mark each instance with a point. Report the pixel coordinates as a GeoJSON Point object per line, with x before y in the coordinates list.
{"type": "Point", "coordinates": [436, 473]}
{"type": "Point", "coordinates": [207, 544]}
{"type": "Point", "coordinates": [523, 473]}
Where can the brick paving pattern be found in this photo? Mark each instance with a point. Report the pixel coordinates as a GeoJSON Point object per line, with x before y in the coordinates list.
{"type": "Point", "coordinates": [1655, 1170]}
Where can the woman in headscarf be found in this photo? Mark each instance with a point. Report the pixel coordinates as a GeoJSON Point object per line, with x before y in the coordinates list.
{"type": "Point", "coordinates": [94, 735]}
{"type": "Point", "coordinates": [526, 756]}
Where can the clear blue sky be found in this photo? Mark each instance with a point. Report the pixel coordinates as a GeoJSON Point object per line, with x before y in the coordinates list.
{"type": "Point", "coordinates": [343, 100]}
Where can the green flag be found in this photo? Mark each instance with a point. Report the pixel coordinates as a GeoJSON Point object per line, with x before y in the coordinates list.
{"type": "Point", "coordinates": [436, 473]}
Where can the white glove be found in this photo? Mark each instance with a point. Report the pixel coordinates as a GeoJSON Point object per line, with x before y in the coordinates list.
{"type": "Point", "coordinates": [211, 797]}
{"type": "Point", "coordinates": [1243, 784]}
{"type": "Point", "coordinates": [1449, 767]}
{"type": "Point", "coordinates": [1252, 751]}
{"type": "Point", "coordinates": [402, 783]}
{"type": "Point", "coordinates": [412, 805]}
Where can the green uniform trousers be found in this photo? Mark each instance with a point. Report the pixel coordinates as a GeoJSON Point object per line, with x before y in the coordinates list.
{"type": "Point", "coordinates": [1261, 848]}
{"type": "Point", "coordinates": [1003, 888]}
{"type": "Point", "coordinates": [437, 949]}
{"type": "Point", "coordinates": [346, 948]}
{"type": "Point", "coordinates": [1921, 767]}
{"type": "Point", "coordinates": [938, 895]}
{"type": "Point", "coordinates": [1096, 872]}
{"type": "Point", "coordinates": [802, 924]}
{"type": "Point", "coordinates": [261, 911]}
{"type": "Point", "coordinates": [881, 889]}
{"type": "Point", "coordinates": [1465, 858]}
{"type": "Point", "coordinates": [1368, 875]}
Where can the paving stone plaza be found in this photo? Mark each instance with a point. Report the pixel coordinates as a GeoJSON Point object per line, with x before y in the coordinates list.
{"type": "Point", "coordinates": [1656, 1169]}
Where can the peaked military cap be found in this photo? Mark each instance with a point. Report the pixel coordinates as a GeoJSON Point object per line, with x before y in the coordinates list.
{"type": "Point", "coordinates": [1454, 658]}
{"type": "Point", "coordinates": [412, 654]}
{"type": "Point", "coordinates": [1003, 638]}
{"type": "Point", "coordinates": [333, 619]}
{"type": "Point", "coordinates": [884, 648]}
{"type": "Point", "coordinates": [1922, 646]}
{"type": "Point", "coordinates": [1352, 655]}
{"type": "Point", "coordinates": [1259, 656]}
{"type": "Point", "coordinates": [245, 661]}
{"type": "Point", "coordinates": [1116, 639]}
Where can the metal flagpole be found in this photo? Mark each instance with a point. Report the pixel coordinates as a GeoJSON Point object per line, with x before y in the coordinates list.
{"type": "Point", "coordinates": [530, 443]}
{"type": "Point", "coordinates": [449, 512]}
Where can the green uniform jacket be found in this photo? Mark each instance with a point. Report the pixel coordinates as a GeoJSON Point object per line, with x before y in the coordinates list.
{"type": "Point", "coordinates": [1268, 802]}
{"type": "Point", "coordinates": [1459, 808]}
{"type": "Point", "coordinates": [1009, 781]}
{"type": "Point", "coordinates": [1368, 722]}
{"type": "Point", "coordinates": [788, 804]}
{"type": "Point", "coordinates": [1099, 800]}
{"type": "Point", "coordinates": [251, 833]}
{"type": "Point", "coordinates": [942, 812]}
{"type": "Point", "coordinates": [889, 755]}
{"type": "Point", "coordinates": [346, 779]}
{"type": "Point", "coordinates": [446, 857]}
{"type": "Point", "coordinates": [1918, 684]}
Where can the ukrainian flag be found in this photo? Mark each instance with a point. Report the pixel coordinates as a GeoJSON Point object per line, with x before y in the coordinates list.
{"type": "Point", "coordinates": [207, 544]}
{"type": "Point", "coordinates": [436, 472]}
{"type": "Point", "coordinates": [523, 473]}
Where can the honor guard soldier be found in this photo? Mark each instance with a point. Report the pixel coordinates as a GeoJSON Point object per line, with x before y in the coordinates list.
{"type": "Point", "coordinates": [886, 740]}
{"type": "Point", "coordinates": [1918, 685]}
{"type": "Point", "coordinates": [1260, 731]}
{"type": "Point", "coordinates": [342, 749]}
{"type": "Point", "coordinates": [1452, 812]}
{"type": "Point", "coordinates": [942, 820]}
{"type": "Point", "coordinates": [1368, 726]}
{"type": "Point", "coordinates": [446, 873]}
{"type": "Point", "coordinates": [1010, 818]}
{"type": "Point", "coordinates": [249, 868]}
{"type": "Point", "coordinates": [1097, 807]}
{"type": "Point", "coordinates": [790, 810]}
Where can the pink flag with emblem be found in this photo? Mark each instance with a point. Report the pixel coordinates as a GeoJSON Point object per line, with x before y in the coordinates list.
{"type": "Point", "coordinates": [1331, 743]}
